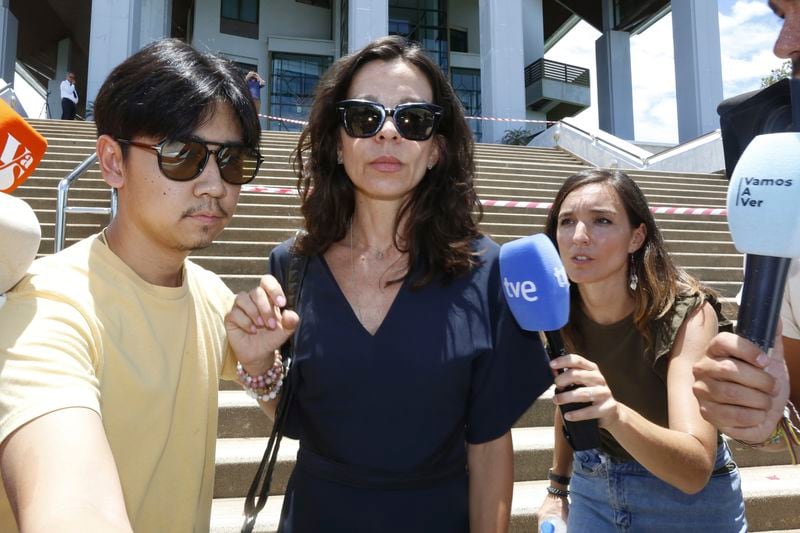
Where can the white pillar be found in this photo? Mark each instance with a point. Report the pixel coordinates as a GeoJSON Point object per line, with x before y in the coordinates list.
{"type": "Point", "coordinates": [114, 35]}
{"type": "Point", "coordinates": [54, 85]}
{"type": "Point", "coordinates": [533, 30]}
{"type": "Point", "coordinates": [155, 20]}
{"type": "Point", "coordinates": [366, 21]}
{"type": "Point", "coordinates": [533, 38]}
{"type": "Point", "coordinates": [502, 65]}
{"type": "Point", "coordinates": [698, 66]}
{"type": "Point", "coordinates": [9, 28]}
{"type": "Point", "coordinates": [614, 83]}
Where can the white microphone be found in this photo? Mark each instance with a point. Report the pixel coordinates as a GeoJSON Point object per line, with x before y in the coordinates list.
{"type": "Point", "coordinates": [20, 234]}
{"type": "Point", "coordinates": [764, 220]}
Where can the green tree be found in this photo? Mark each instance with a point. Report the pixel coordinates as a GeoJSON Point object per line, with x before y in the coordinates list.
{"type": "Point", "coordinates": [519, 137]}
{"type": "Point", "coordinates": [777, 74]}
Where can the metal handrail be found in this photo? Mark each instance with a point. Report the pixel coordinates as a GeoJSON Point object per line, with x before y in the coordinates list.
{"type": "Point", "coordinates": [61, 202]}
{"type": "Point", "coordinates": [645, 161]}
{"type": "Point", "coordinates": [596, 138]}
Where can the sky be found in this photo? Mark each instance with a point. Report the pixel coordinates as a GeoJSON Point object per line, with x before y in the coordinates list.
{"type": "Point", "coordinates": [748, 29]}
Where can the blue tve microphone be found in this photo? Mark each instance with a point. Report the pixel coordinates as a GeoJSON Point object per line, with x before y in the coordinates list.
{"type": "Point", "coordinates": [536, 288]}
{"type": "Point", "coordinates": [764, 220]}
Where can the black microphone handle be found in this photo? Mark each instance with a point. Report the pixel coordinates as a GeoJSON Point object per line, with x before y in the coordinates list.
{"type": "Point", "coordinates": [762, 295]}
{"type": "Point", "coordinates": [794, 97]}
{"type": "Point", "coordinates": [582, 435]}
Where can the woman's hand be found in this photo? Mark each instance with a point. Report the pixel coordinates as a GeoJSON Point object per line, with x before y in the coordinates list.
{"type": "Point", "coordinates": [257, 326]}
{"type": "Point", "coordinates": [594, 390]}
{"type": "Point", "coordinates": [552, 506]}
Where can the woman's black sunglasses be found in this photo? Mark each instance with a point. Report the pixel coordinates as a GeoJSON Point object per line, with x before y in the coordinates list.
{"type": "Point", "coordinates": [185, 160]}
{"type": "Point", "coordinates": [416, 121]}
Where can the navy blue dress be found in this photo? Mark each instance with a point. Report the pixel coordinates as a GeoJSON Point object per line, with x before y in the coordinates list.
{"type": "Point", "coordinates": [383, 420]}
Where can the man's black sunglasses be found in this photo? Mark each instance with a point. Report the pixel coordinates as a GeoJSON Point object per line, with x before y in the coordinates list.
{"type": "Point", "coordinates": [185, 160]}
{"type": "Point", "coordinates": [415, 121]}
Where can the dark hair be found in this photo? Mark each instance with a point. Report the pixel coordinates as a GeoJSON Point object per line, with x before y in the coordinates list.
{"type": "Point", "coordinates": [442, 212]}
{"type": "Point", "coordinates": [660, 281]}
{"type": "Point", "coordinates": [167, 89]}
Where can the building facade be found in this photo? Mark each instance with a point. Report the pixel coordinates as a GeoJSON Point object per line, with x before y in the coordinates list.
{"type": "Point", "coordinates": [491, 50]}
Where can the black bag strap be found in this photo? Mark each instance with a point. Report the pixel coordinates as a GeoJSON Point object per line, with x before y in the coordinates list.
{"type": "Point", "coordinates": [293, 283]}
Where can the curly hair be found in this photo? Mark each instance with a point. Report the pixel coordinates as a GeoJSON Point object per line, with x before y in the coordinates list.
{"type": "Point", "coordinates": [660, 281]}
{"type": "Point", "coordinates": [440, 216]}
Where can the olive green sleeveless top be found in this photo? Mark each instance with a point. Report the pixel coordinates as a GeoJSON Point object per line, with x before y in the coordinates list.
{"type": "Point", "coordinates": [636, 375]}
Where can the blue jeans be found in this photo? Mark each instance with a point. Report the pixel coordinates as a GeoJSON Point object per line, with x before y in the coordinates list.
{"type": "Point", "coordinates": [610, 495]}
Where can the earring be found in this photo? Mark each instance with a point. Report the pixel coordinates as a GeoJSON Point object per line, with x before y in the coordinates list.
{"type": "Point", "coordinates": [633, 279]}
{"type": "Point", "coordinates": [339, 158]}
{"type": "Point", "coordinates": [430, 166]}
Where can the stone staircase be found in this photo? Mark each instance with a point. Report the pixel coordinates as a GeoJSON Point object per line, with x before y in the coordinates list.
{"type": "Point", "coordinates": [701, 244]}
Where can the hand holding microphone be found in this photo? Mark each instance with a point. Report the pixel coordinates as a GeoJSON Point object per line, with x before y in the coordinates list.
{"type": "Point", "coordinates": [536, 288]}
{"type": "Point", "coordinates": [764, 220]}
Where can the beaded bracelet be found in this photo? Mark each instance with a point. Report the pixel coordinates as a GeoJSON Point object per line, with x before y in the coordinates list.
{"type": "Point", "coordinates": [266, 386]}
{"type": "Point", "coordinates": [559, 493]}
{"type": "Point", "coordinates": [785, 430]}
{"type": "Point", "coordinates": [792, 432]}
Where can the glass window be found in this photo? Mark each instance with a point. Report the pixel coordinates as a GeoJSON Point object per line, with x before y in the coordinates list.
{"type": "Point", "coordinates": [458, 40]}
{"type": "Point", "coordinates": [248, 11]}
{"type": "Point", "coordinates": [343, 28]}
{"type": "Point", "coordinates": [230, 9]}
{"type": "Point", "coordinates": [467, 86]}
{"type": "Point", "coordinates": [294, 78]}
{"type": "Point", "coordinates": [239, 17]}
{"type": "Point", "coordinates": [423, 21]}
{"type": "Point", "coordinates": [318, 3]}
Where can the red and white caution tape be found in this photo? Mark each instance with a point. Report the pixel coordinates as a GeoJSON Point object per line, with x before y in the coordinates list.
{"type": "Point", "coordinates": [285, 191]}
{"type": "Point", "coordinates": [527, 120]}
{"type": "Point", "coordinates": [698, 211]}
{"type": "Point", "coordinates": [281, 119]}
{"type": "Point", "coordinates": [494, 119]}
{"type": "Point", "coordinates": [517, 204]}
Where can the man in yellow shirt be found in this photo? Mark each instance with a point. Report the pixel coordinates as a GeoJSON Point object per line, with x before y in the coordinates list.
{"type": "Point", "coordinates": [111, 351]}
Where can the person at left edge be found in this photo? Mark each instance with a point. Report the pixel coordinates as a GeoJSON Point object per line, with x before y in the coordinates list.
{"type": "Point", "coordinates": [410, 369]}
{"type": "Point", "coordinates": [111, 350]}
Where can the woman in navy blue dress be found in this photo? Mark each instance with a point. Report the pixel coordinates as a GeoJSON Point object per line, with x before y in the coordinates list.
{"type": "Point", "coordinates": [410, 369]}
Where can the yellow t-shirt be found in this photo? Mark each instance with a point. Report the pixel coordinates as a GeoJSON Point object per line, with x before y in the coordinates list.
{"type": "Point", "coordinates": [83, 330]}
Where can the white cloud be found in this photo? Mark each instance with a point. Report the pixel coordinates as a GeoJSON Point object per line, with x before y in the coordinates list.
{"type": "Point", "coordinates": [748, 29]}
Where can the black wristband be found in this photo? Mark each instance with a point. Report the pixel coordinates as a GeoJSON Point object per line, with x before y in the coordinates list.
{"type": "Point", "coordinates": [558, 492]}
{"type": "Point", "coordinates": [561, 480]}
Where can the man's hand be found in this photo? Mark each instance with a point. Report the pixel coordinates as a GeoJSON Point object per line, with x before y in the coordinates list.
{"type": "Point", "coordinates": [741, 390]}
{"type": "Point", "coordinates": [257, 325]}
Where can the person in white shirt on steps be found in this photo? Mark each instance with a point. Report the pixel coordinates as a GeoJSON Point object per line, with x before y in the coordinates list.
{"type": "Point", "coordinates": [69, 97]}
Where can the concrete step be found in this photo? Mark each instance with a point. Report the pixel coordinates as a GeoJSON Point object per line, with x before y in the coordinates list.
{"type": "Point", "coordinates": [772, 497]}
{"type": "Point", "coordinates": [245, 282]}
{"type": "Point", "coordinates": [238, 458]}
{"type": "Point", "coordinates": [257, 229]}
{"type": "Point", "coordinates": [258, 248]}
{"type": "Point", "coordinates": [241, 417]}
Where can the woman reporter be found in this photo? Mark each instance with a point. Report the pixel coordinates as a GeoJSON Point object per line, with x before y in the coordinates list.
{"type": "Point", "coordinates": [637, 325]}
